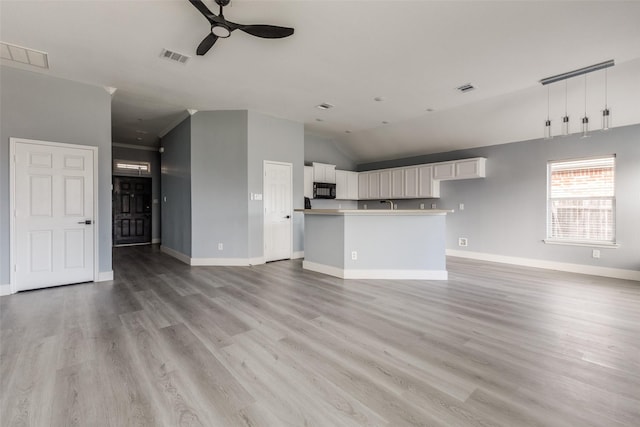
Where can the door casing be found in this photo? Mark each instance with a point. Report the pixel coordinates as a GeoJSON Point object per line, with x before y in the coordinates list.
{"type": "Point", "coordinates": [12, 203]}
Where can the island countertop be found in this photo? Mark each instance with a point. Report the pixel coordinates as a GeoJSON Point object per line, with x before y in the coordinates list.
{"type": "Point", "coordinates": [378, 212]}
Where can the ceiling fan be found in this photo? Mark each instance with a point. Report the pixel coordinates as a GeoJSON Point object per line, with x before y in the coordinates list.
{"type": "Point", "coordinates": [221, 28]}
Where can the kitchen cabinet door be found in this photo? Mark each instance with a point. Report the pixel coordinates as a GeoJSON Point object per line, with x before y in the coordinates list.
{"type": "Point", "coordinates": [410, 183]}
{"type": "Point", "coordinates": [374, 185]}
{"type": "Point", "coordinates": [427, 186]}
{"type": "Point", "coordinates": [397, 184]}
{"type": "Point", "coordinates": [363, 185]}
{"type": "Point", "coordinates": [385, 184]}
{"type": "Point", "coordinates": [352, 186]}
{"type": "Point", "coordinates": [342, 185]}
{"type": "Point", "coordinates": [470, 168]}
{"type": "Point", "coordinates": [444, 171]}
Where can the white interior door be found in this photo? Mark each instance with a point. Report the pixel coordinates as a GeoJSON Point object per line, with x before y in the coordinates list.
{"type": "Point", "coordinates": [54, 215]}
{"type": "Point", "coordinates": [278, 196]}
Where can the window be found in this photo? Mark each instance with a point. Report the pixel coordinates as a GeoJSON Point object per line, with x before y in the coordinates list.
{"type": "Point", "coordinates": [582, 201]}
{"type": "Point", "coordinates": [127, 166]}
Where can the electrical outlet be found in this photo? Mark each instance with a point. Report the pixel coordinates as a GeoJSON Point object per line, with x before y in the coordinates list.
{"type": "Point", "coordinates": [365, 206]}
{"type": "Point", "coordinates": [220, 246]}
{"type": "Point", "coordinates": [433, 205]}
{"type": "Point", "coordinates": [421, 205]}
{"type": "Point", "coordinates": [595, 253]}
{"type": "Point", "coordinates": [461, 206]}
{"type": "Point", "coordinates": [462, 241]}
{"type": "Point", "coordinates": [339, 205]}
{"type": "Point", "coordinates": [354, 255]}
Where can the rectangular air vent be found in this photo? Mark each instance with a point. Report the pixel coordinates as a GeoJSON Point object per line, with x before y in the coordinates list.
{"type": "Point", "coordinates": [324, 106]}
{"type": "Point", "coordinates": [174, 56]}
{"type": "Point", "coordinates": [466, 88]}
{"type": "Point", "coordinates": [24, 55]}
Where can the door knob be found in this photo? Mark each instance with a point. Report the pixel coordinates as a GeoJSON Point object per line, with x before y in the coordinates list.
{"type": "Point", "coordinates": [288, 216]}
{"type": "Point", "coordinates": [86, 222]}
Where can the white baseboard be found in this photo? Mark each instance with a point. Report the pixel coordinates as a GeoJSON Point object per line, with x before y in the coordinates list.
{"type": "Point", "coordinates": [593, 270]}
{"type": "Point", "coordinates": [105, 276]}
{"type": "Point", "coordinates": [177, 255]}
{"type": "Point", "coordinates": [5, 290]}
{"type": "Point", "coordinates": [156, 241]}
{"type": "Point", "coordinates": [297, 255]}
{"type": "Point", "coordinates": [376, 274]}
{"type": "Point", "coordinates": [228, 262]}
{"type": "Point", "coordinates": [256, 261]}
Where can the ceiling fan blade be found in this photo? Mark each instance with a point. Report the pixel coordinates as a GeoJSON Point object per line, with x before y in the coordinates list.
{"type": "Point", "coordinates": [211, 17]}
{"type": "Point", "coordinates": [206, 44]}
{"type": "Point", "coordinates": [266, 31]}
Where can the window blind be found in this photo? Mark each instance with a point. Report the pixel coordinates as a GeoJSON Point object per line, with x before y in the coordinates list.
{"type": "Point", "coordinates": [582, 200]}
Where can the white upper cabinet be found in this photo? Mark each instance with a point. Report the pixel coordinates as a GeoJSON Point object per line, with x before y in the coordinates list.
{"type": "Point", "coordinates": [374, 184]}
{"type": "Point", "coordinates": [444, 171]}
{"type": "Point", "coordinates": [308, 181]}
{"type": "Point", "coordinates": [410, 182]}
{"type": "Point", "coordinates": [363, 185]}
{"type": "Point", "coordinates": [397, 184]}
{"type": "Point", "coordinates": [427, 186]}
{"type": "Point", "coordinates": [323, 172]}
{"type": "Point", "coordinates": [471, 168]}
{"type": "Point", "coordinates": [352, 186]}
{"type": "Point", "coordinates": [342, 190]}
{"type": "Point", "coordinates": [346, 185]}
{"type": "Point", "coordinates": [460, 169]}
{"type": "Point", "coordinates": [385, 184]}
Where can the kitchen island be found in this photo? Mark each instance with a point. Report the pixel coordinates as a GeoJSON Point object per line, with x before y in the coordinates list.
{"type": "Point", "coordinates": [375, 243]}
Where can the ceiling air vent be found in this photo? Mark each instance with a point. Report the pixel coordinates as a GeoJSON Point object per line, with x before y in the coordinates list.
{"type": "Point", "coordinates": [174, 56]}
{"type": "Point", "coordinates": [466, 88]}
{"type": "Point", "coordinates": [24, 55]}
{"type": "Point", "coordinates": [324, 106]}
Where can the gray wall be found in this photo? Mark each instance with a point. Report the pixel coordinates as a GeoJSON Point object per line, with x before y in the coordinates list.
{"type": "Point", "coordinates": [219, 184]}
{"type": "Point", "coordinates": [153, 158]}
{"type": "Point", "coordinates": [278, 140]}
{"type": "Point", "coordinates": [176, 188]}
{"type": "Point", "coordinates": [326, 150]}
{"type": "Point", "coordinates": [505, 213]}
{"type": "Point", "coordinates": [37, 106]}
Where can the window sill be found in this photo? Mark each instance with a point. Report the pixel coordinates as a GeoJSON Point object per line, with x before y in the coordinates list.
{"type": "Point", "coordinates": [585, 244]}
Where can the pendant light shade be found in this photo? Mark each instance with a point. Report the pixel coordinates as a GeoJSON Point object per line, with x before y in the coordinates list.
{"type": "Point", "coordinates": [606, 114]}
{"type": "Point", "coordinates": [585, 119]}
{"type": "Point", "coordinates": [547, 123]}
{"type": "Point", "coordinates": [565, 119]}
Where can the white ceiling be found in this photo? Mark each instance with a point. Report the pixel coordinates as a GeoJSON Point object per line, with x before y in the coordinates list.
{"type": "Point", "coordinates": [412, 53]}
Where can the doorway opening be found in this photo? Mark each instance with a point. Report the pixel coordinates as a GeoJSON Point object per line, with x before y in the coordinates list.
{"type": "Point", "coordinates": [131, 201]}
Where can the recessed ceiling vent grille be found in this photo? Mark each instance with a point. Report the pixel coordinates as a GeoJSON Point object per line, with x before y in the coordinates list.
{"type": "Point", "coordinates": [24, 55]}
{"type": "Point", "coordinates": [174, 56]}
{"type": "Point", "coordinates": [466, 88]}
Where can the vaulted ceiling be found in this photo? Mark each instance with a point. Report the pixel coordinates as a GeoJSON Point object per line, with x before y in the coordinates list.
{"type": "Point", "coordinates": [413, 54]}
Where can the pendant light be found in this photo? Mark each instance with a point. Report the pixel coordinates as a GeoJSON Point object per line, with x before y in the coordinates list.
{"type": "Point", "coordinates": [565, 118]}
{"type": "Point", "coordinates": [547, 124]}
{"type": "Point", "coordinates": [606, 115]}
{"type": "Point", "coordinates": [585, 119]}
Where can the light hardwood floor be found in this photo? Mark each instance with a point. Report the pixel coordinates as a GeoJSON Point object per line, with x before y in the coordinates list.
{"type": "Point", "coordinates": [272, 345]}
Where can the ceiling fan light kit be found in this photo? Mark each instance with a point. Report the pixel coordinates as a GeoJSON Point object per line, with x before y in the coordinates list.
{"type": "Point", "coordinates": [222, 29]}
{"type": "Point", "coordinates": [606, 113]}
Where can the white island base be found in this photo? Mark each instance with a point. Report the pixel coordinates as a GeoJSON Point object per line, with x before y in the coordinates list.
{"type": "Point", "coordinates": [376, 244]}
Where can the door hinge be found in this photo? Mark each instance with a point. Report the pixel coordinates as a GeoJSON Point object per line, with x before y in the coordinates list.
{"type": "Point", "coordinates": [15, 268]}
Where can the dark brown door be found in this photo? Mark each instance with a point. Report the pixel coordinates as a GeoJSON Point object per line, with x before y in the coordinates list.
{"type": "Point", "coordinates": [131, 210]}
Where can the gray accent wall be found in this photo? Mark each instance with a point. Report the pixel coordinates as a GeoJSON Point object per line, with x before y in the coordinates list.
{"type": "Point", "coordinates": [505, 213]}
{"type": "Point", "coordinates": [219, 199]}
{"type": "Point", "coordinates": [176, 188]}
{"type": "Point", "coordinates": [153, 158]}
{"type": "Point", "coordinates": [277, 140]}
{"type": "Point", "coordinates": [326, 150]}
{"type": "Point", "coordinates": [41, 107]}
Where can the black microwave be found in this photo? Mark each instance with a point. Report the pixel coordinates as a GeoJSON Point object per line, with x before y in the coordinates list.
{"type": "Point", "coordinates": [324, 190]}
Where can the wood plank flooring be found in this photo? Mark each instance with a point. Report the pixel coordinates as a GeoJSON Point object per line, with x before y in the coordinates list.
{"type": "Point", "coordinates": [166, 344]}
